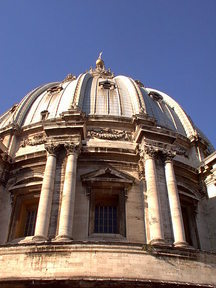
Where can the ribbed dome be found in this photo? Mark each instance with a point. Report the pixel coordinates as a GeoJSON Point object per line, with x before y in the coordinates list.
{"type": "Point", "coordinates": [98, 92]}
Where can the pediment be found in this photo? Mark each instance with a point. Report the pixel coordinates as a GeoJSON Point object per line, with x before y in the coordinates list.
{"type": "Point", "coordinates": [107, 175]}
{"type": "Point", "coordinates": [26, 181]}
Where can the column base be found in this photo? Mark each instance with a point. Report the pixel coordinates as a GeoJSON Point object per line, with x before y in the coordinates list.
{"type": "Point", "coordinates": [63, 238]}
{"type": "Point", "coordinates": [39, 238]}
{"type": "Point", "coordinates": [157, 242]}
{"type": "Point", "coordinates": [180, 244]}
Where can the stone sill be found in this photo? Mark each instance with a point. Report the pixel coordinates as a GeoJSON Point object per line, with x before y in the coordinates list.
{"type": "Point", "coordinates": [106, 237]}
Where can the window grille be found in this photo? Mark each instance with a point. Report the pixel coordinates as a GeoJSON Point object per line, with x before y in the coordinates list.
{"type": "Point", "coordinates": [30, 222]}
{"type": "Point", "coordinates": [105, 219]}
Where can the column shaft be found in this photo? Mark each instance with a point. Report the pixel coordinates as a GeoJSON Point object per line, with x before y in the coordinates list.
{"type": "Point", "coordinates": [155, 221]}
{"type": "Point", "coordinates": [68, 199]}
{"type": "Point", "coordinates": [175, 207]}
{"type": "Point", "coordinates": [45, 203]}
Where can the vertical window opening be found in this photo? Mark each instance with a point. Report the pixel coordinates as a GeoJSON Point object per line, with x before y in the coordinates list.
{"type": "Point", "coordinates": [30, 222]}
{"type": "Point", "coordinates": [107, 212]}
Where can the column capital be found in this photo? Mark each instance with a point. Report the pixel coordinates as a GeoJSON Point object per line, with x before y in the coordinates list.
{"type": "Point", "coordinates": [51, 148]}
{"type": "Point", "coordinates": [168, 155]}
{"type": "Point", "coordinates": [150, 151]}
{"type": "Point", "coordinates": [72, 148]}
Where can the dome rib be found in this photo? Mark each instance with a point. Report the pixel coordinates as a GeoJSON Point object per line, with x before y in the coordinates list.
{"type": "Point", "coordinates": [139, 96]}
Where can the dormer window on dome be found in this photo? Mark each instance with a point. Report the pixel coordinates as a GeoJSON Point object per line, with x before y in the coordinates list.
{"type": "Point", "coordinates": [107, 84]}
{"type": "Point", "coordinates": [55, 89]}
{"type": "Point", "coordinates": [155, 96]}
{"type": "Point", "coordinates": [139, 83]}
{"type": "Point", "coordinates": [44, 114]}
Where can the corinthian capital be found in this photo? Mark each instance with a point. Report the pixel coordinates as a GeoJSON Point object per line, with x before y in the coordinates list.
{"type": "Point", "coordinates": [150, 151]}
{"type": "Point", "coordinates": [169, 155]}
{"type": "Point", "coordinates": [72, 148]}
{"type": "Point", "coordinates": [51, 148]}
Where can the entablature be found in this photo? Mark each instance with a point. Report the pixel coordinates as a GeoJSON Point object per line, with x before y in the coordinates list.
{"type": "Point", "coordinates": [154, 133]}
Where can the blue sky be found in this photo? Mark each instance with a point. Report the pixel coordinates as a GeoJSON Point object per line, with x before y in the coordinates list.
{"type": "Point", "coordinates": [169, 45]}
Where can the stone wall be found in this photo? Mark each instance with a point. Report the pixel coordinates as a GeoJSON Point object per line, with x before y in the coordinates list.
{"type": "Point", "coordinates": [5, 211]}
{"type": "Point", "coordinates": [110, 261]}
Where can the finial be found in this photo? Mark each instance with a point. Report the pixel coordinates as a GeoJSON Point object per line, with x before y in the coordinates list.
{"type": "Point", "coordinates": [100, 55]}
{"type": "Point", "coordinates": [100, 62]}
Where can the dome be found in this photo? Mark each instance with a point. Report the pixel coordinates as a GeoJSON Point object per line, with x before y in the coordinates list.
{"type": "Point", "coordinates": [105, 183]}
{"type": "Point", "coordinates": [99, 93]}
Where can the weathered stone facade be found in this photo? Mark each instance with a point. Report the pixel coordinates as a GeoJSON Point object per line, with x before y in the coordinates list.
{"type": "Point", "coordinates": [105, 183]}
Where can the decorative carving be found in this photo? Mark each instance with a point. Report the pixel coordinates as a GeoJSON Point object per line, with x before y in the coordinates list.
{"type": "Point", "coordinates": [110, 134]}
{"type": "Point", "coordinates": [150, 151]}
{"type": "Point", "coordinates": [181, 151]}
{"type": "Point", "coordinates": [72, 148]}
{"type": "Point", "coordinates": [69, 77]}
{"type": "Point", "coordinates": [168, 154]}
{"type": "Point", "coordinates": [76, 108]}
{"type": "Point", "coordinates": [100, 69]}
{"type": "Point", "coordinates": [158, 145]}
{"type": "Point", "coordinates": [165, 148]}
{"type": "Point", "coordinates": [37, 139]}
{"type": "Point", "coordinates": [141, 169]}
{"type": "Point", "coordinates": [52, 148]}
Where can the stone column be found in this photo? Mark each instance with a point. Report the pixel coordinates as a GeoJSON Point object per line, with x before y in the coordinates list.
{"type": "Point", "coordinates": [174, 202]}
{"type": "Point", "coordinates": [45, 202]}
{"type": "Point", "coordinates": [155, 220]}
{"type": "Point", "coordinates": [68, 197]}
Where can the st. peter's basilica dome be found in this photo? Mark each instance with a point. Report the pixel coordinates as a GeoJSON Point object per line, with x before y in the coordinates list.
{"type": "Point", "coordinates": [104, 182]}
